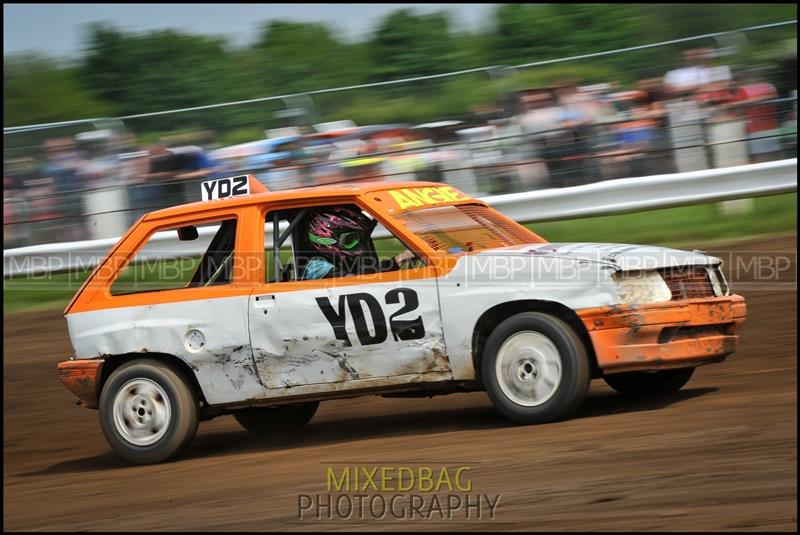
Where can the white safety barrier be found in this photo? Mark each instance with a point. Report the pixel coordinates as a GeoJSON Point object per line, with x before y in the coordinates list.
{"type": "Point", "coordinates": [603, 198]}
{"type": "Point", "coordinates": [649, 192]}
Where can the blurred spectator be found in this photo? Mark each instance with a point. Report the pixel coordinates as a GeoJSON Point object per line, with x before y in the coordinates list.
{"type": "Point", "coordinates": [41, 205]}
{"type": "Point", "coordinates": [540, 122]}
{"type": "Point", "coordinates": [12, 214]}
{"type": "Point", "coordinates": [789, 130]}
{"type": "Point", "coordinates": [188, 162]}
{"type": "Point", "coordinates": [576, 118]}
{"type": "Point", "coordinates": [174, 175]}
{"type": "Point", "coordinates": [688, 78]}
{"type": "Point", "coordinates": [685, 113]}
{"type": "Point", "coordinates": [17, 174]}
{"type": "Point", "coordinates": [63, 165]}
{"type": "Point", "coordinates": [143, 194]}
{"type": "Point", "coordinates": [130, 157]}
{"type": "Point", "coordinates": [100, 163]}
{"type": "Point", "coordinates": [640, 136]}
{"type": "Point", "coordinates": [696, 75]}
{"type": "Point", "coordinates": [652, 108]}
{"type": "Point", "coordinates": [18, 171]}
{"type": "Point", "coordinates": [762, 124]}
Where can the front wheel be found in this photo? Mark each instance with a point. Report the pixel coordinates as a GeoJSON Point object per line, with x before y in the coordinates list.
{"type": "Point", "coordinates": [148, 413]}
{"type": "Point", "coordinates": [650, 383]}
{"type": "Point", "coordinates": [269, 420]}
{"type": "Point", "coordinates": [535, 368]}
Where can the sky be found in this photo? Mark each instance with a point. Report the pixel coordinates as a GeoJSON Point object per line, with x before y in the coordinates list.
{"type": "Point", "coordinates": [57, 29]}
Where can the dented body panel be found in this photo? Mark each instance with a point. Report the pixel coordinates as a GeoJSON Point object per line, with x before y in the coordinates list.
{"type": "Point", "coordinates": [664, 335]}
{"type": "Point", "coordinates": [577, 276]}
{"type": "Point", "coordinates": [210, 336]}
{"type": "Point", "coordinates": [482, 281]}
{"type": "Point", "coordinates": [82, 378]}
{"type": "Point", "coordinates": [382, 330]}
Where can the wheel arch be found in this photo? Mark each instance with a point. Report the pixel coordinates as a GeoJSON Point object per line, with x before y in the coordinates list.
{"type": "Point", "coordinates": [178, 365]}
{"type": "Point", "coordinates": [492, 317]}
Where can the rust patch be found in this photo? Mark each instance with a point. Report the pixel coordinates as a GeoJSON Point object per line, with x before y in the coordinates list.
{"type": "Point", "coordinates": [664, 335]}
{"type": "Point", "coordinates": [729, 344]}
{"type": "Point", "coordinates": [438, 362]}
{"type": "Point", "coordinates": [82, 378]}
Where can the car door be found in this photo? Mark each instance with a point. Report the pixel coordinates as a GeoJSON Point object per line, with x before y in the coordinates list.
{"type": "Point", "coordinates": [356, 331]}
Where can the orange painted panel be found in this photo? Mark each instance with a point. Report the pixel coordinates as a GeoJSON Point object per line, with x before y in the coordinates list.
{"type": "Point", "coordinates": [664, 335]}
{"type": "Point", "coordinates": [82, 378]}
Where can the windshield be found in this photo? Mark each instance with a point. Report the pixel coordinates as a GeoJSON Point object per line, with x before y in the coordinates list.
{"type": "Point", "coordinates": [465, 228]}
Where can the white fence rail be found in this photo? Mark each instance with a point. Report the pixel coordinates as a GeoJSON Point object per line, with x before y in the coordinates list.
{"type": "Point", "coordinates": [603, 198]}
{"type": "Point", "coordinates": [650, 192]}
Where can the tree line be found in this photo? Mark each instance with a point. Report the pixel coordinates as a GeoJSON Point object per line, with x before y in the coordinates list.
{"type": "Point", "coordinates": [123, 73]}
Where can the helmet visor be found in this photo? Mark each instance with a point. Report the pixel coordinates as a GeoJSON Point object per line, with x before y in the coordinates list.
{"type": "Point", "coordinates": [348, 240]}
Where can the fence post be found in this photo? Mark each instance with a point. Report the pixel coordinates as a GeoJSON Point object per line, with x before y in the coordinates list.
{"type": "Point", "coordinates": [106, 211]}
{"type": "Point", "coordinates": [686, 134]}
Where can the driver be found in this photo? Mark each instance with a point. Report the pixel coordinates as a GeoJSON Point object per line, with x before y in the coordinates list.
{"type": "Point", "coordinates": [337, 243]}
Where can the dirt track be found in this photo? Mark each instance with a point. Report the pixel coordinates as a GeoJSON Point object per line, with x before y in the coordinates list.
{"type": "Point", "coordinates": [719, 455]}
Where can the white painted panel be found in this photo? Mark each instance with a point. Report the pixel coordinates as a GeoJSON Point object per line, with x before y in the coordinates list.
{"type": "Point", "coordinates": [363, 336]}
{"type": "Point", "coordinates": [223, 363]}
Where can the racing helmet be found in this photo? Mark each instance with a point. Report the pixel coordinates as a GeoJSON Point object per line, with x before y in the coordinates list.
{"type": "Point", "coordinates": [338, 231]}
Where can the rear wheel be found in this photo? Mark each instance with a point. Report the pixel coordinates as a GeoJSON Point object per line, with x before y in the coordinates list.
{"type": "Point", "coordinates": [649, 383]}
{"type": "Point", "coordinates": [268, 420]}
{"type": "Point", "coordinates": [148, 412]}
{"type": "Point", "coordinates": [535, 368]}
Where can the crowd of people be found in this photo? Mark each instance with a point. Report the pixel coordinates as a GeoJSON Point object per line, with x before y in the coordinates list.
{"type": "Point", "coordinates": [695, 117]}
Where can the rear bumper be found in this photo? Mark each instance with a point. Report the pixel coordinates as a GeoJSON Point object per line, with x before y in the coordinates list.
{"type": "Point", "coordinates": [82, 378]}
{"type": "Point", "coordinates": [674, 334]}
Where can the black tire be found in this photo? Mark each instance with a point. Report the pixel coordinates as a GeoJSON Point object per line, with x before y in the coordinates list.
{"type": "Point", "coordinates": [181, 424]}
{"type": "Point", "coordinates": [569, 390]}
{"type": "Point", "coordinates": [270, 420]}
{"type": "Point", "coordinates": [649, 383]}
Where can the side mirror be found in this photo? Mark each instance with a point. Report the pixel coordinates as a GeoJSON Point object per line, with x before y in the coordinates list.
{"type": "Point", "coordinates": [188, 233]}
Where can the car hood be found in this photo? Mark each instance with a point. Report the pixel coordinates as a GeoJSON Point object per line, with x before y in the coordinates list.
{"type": "Point", "coordinates": [621, 256]}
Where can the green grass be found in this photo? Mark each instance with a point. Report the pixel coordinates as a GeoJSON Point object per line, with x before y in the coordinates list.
{"type": "Point", "coordinates": [684, 227]}
{"type": "Point", "coordinates": [40, 292]}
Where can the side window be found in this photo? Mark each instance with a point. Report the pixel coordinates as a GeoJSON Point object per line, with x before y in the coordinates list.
{"type": "Point", "coordinates": [203, 257]}
{"type": "Point", "coordinates": [331, 241]}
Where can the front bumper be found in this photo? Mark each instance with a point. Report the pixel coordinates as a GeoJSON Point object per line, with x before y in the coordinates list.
{"type": "Point", "coordinates": [673, 334]}
{"type": "Point", "coordinates": [82, 378]}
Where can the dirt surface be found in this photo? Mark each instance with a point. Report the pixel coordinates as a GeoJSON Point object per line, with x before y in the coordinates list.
{"type": "Point", "coordinates": [719, 455]}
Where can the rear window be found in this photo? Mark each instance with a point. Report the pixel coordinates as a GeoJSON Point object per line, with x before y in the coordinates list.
{"type": "Point", "coordinates": [466, 227]}
{"type": "Point", "coordinates": [203, 258]}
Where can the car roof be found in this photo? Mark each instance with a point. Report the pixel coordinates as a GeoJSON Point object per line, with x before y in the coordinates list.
{"type": "Point", "coordinates": [317, 192]}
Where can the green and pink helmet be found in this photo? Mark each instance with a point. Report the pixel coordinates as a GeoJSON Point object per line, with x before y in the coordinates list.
{"type": "Point", "coordinates": [337, 231]}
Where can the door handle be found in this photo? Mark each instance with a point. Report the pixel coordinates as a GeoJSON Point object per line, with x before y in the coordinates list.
{"type": "Point", "coordinates": [264, 301]}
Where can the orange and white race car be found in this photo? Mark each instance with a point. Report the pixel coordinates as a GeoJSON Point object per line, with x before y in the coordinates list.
{"type": "Point", "coordinates": [274, 301]}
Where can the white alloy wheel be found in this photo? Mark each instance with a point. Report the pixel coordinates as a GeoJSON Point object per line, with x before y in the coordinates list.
{"type": "Point", "coordinates": [148, 411]}
{"type": "Point", "coordinates": [528, 368]}
{"type": "Point", "coordinates": [535, 368]}
{"type": "Point", "coordinates": [142, 412]}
